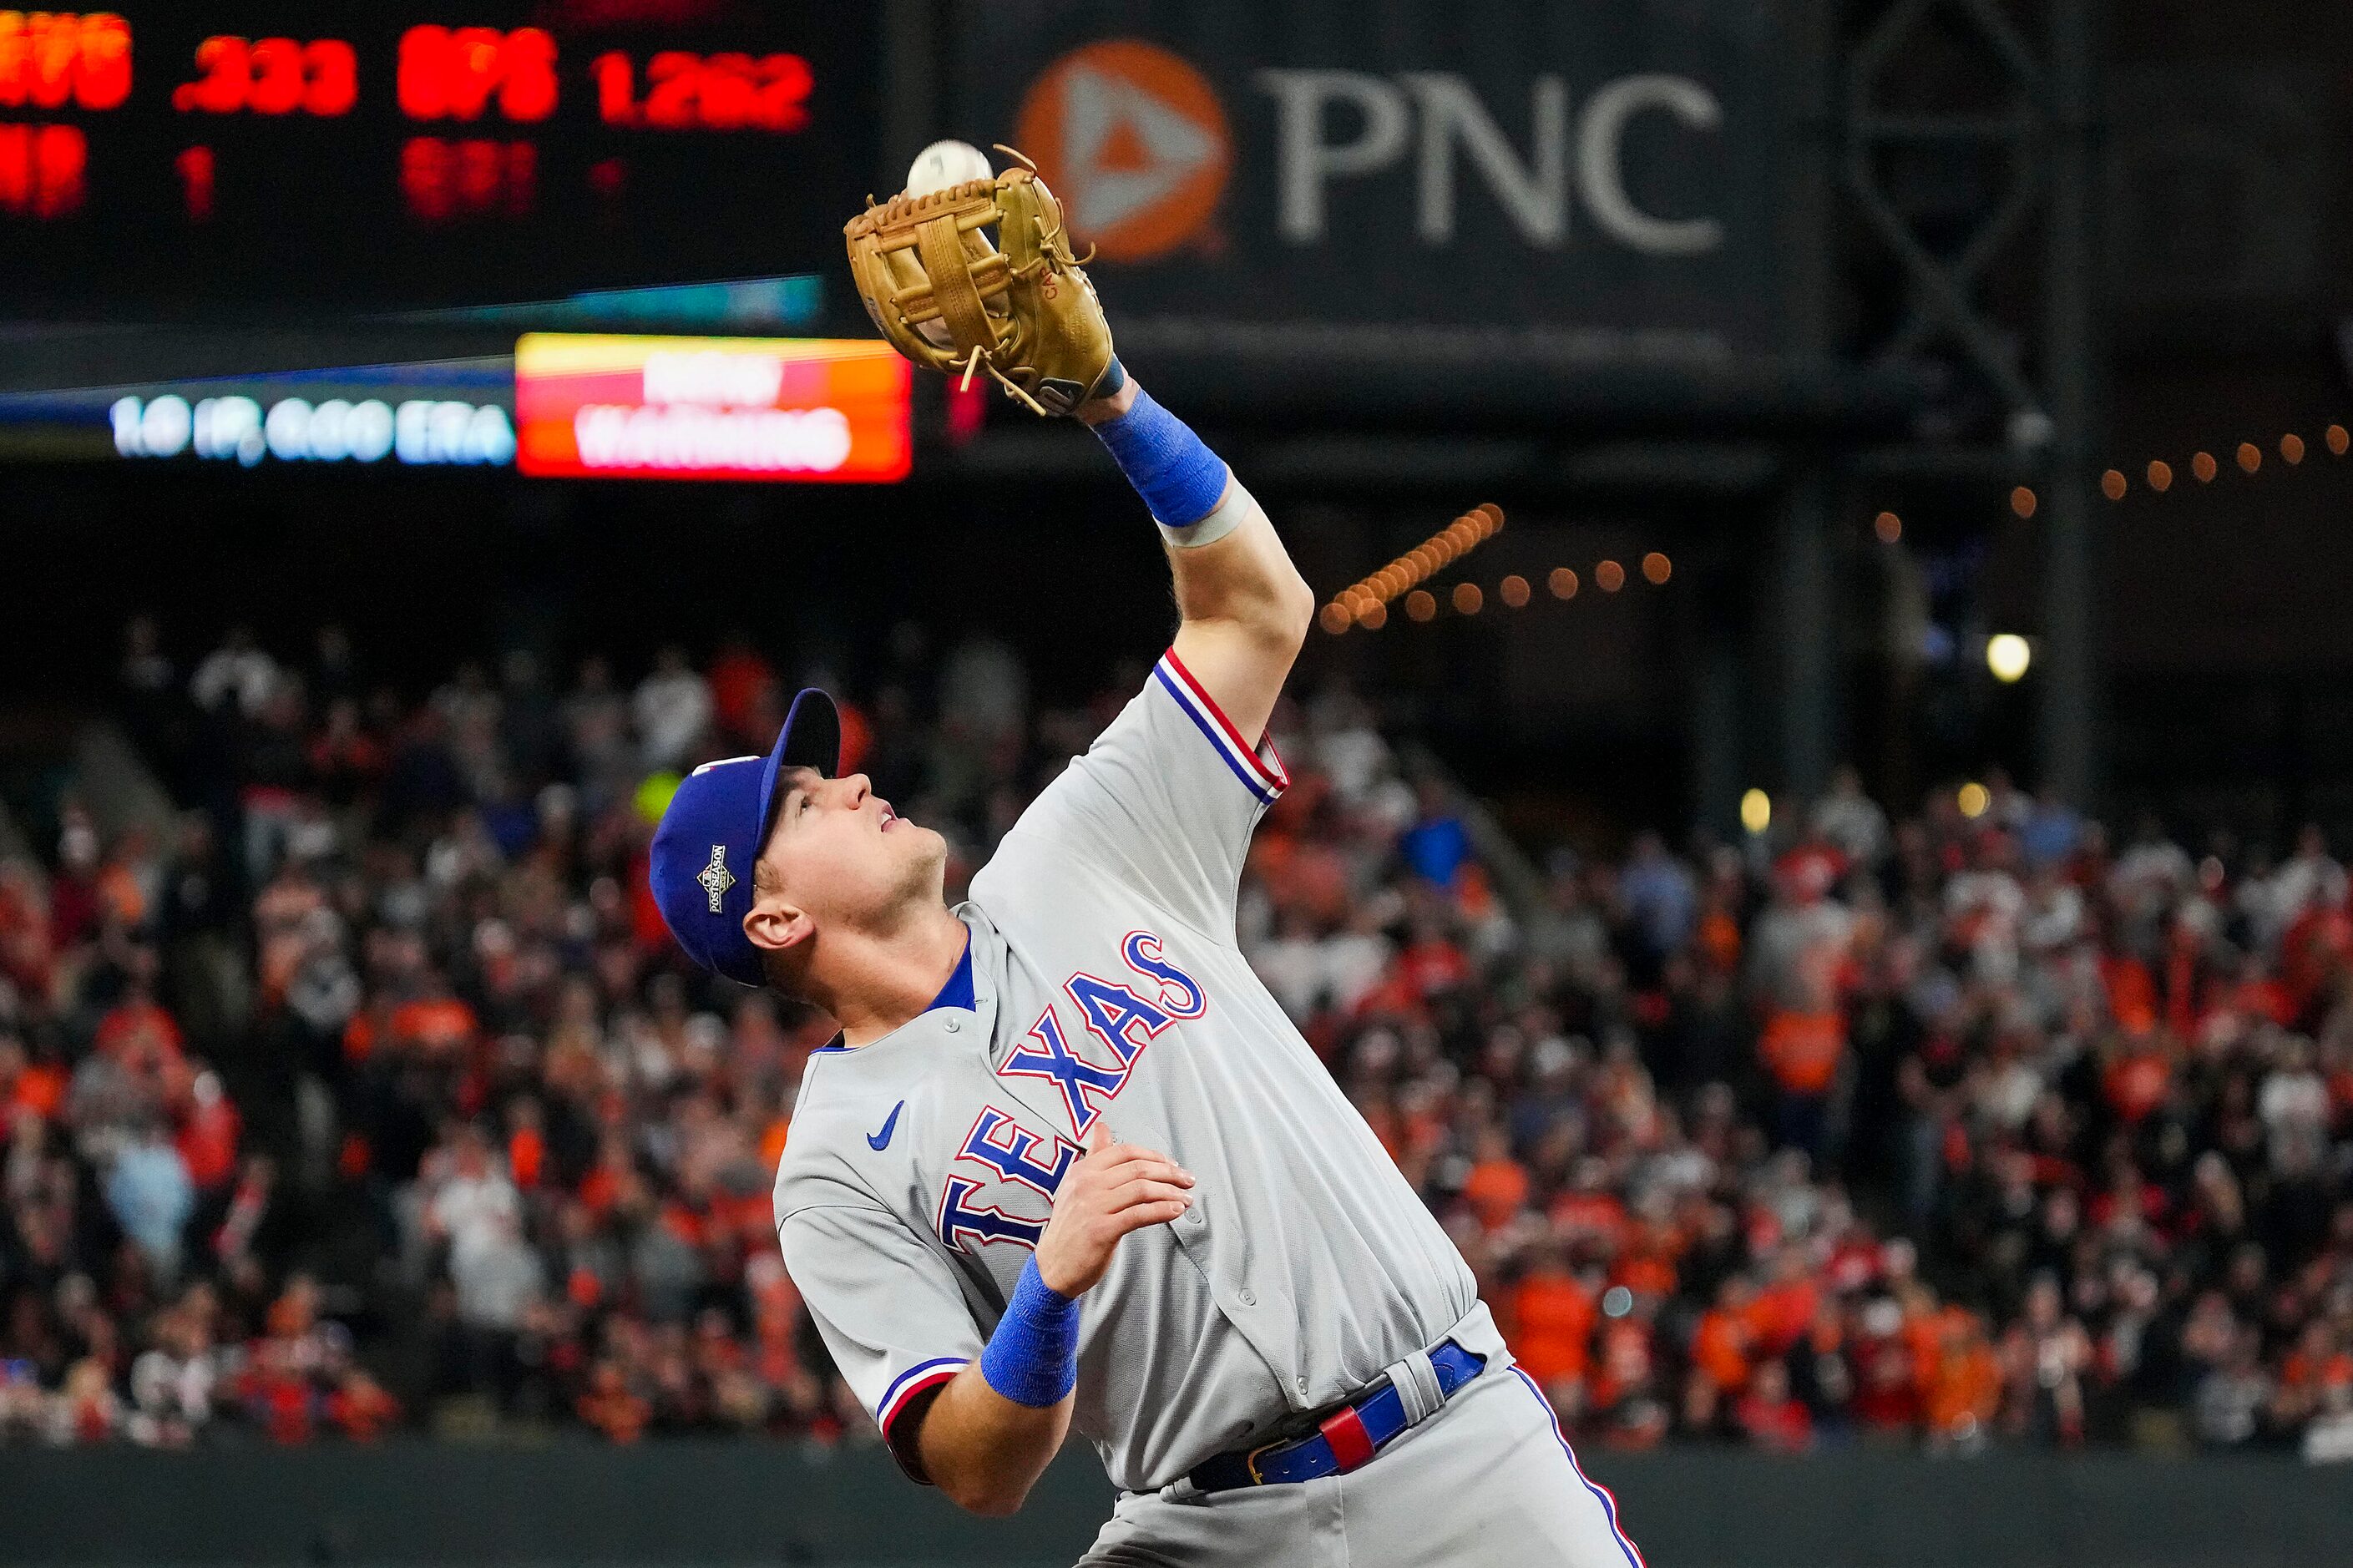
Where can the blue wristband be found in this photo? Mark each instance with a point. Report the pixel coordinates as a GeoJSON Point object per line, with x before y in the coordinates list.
{"type": "Point", "coordinates": [1033, 1357]}
{"type": "Point", "coordinates": [1178, 477]}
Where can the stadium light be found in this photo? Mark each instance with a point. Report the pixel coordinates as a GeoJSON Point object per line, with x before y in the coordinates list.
{"type": "Point", "coordinates": [2008, 654]}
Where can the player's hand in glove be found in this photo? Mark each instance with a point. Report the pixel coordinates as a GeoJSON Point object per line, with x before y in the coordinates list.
{"type": "Point", "coordinates": [1021, 309]}
{"type": "Point", "coordinates": [1113, 1188]}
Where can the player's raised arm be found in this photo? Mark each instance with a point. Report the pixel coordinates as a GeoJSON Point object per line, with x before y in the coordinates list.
{"type": "Point", "coordinates": [1245, 609]}
{"type": "Point", "coordinates": [1029, 316]}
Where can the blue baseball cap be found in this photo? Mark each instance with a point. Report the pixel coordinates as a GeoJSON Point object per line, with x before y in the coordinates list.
{"type": "Point", "coordinates": [716, 827]}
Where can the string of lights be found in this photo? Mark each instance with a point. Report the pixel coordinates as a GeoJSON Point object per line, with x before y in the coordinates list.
{"type": "Point", "coordinates": [2009, 654]}
{"type": "Point", "coordinates": [1363, 605]}
{"type": "Point", "coordinates": [2158, 475]}
{"type": "Point", "coordinates": [2203, 468]}
{"type": "Point", "coordinates": [1365, 601]}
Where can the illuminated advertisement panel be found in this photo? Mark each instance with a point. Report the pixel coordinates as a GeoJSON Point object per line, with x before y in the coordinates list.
{"type": "Point", "coordinates": [451, 413]}
{"type": "Point", "coordinates": [593, 407]}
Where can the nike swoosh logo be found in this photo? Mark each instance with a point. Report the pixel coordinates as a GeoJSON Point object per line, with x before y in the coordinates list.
{"type": "Point", "coordinates": [878, 1142]}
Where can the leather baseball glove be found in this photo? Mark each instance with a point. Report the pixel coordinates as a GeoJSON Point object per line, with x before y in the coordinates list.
{"type": "Point", "coordinates": [1020, 309]}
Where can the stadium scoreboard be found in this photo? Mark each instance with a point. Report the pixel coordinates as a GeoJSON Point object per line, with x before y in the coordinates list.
{"type": "Point", "coordinates": [206, 158]}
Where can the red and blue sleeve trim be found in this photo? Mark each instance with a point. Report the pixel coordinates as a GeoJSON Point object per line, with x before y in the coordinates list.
{"type": "Point", "coordinates": [912, 1381]}
{"type": "Point", "coordinates": [1259, 768]}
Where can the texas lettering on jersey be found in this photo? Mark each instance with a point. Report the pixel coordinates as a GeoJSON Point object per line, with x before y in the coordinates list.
{"type": "Point", "coordinates": [1118, 1021]}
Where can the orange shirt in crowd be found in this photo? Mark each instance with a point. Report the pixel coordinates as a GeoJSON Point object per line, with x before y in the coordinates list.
{"type": "Point", "coordinates": [434, 1024]}
{"type": "Point", "coordinates": [2136, 1083]}
{"type": "Point", "coordinates": [359, 1035]}
{"type": "Point", "coordinates": [1782, 1313]}
{"type": "Point", "coordinates": [1965, 1388]}
{"type": "Point", "coordinates": [1556, 1314]}
{"type": "Point", "coordinates": [39, 1089]}
{"type": "Point", "coordinates": [599, 1190]}
{"type": "Point", "coordinates": [771, 1142]}
{"type": "Point", "coordinates": [1719, 941]}
{"type": "Point", "coordinates": [1495, 1190]}
{"type": "Point", "coordinates": [1646, 1272]}
{"type": "Point", "coordinates": [1720, 1348]}
{"type": "Point", "coordinates": [119, 892]}
{"type": "Point", "coordinates": [2302, 1371]}
{"type": "Point", "coordinates": [2132, 993]}
{"type": "Point", "coordinates": [1598, 1216]}
{"type": "Point", "coordinates": [208, 1143]}
{"type": "Point", "coordinates": [526, 1156]}
{"type": "Point", "coordinates": [1801, 1050]}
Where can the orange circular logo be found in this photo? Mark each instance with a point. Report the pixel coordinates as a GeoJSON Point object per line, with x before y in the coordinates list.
{"type": "Point", "coordinates": [1133, 140]}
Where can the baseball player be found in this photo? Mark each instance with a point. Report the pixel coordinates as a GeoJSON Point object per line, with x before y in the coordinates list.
{"type": "Point", "coordinates": [1068, 1164]}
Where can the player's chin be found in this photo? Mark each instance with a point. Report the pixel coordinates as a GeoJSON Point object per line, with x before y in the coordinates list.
{"type": "Point", "coordinates": [923, 848]}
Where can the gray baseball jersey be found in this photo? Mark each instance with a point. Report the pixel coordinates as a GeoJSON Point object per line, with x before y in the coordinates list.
{"type": "Point", "coordinates": [1107, 984]}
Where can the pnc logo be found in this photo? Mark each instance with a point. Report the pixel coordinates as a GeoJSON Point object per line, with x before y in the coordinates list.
{"type": "Point", "coordinates": [1133, 141]}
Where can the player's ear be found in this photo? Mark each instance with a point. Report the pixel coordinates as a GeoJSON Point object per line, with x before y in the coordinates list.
{"type": "Point", "coordinates": [776, 924]}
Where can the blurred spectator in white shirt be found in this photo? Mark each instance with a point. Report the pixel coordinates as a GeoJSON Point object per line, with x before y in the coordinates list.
{"type": "Point", "coordinates": [672, 708]}
{"type": "Point", "coordinates": [2310, 877]}
{"type": "Point", "coordinates": [1851, 820]}
{"type": "Point", "coordinates": [473, 1198]}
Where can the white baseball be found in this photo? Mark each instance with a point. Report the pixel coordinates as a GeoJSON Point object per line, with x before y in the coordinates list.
{"type": "Point", "coordinates": [936, 168]}
{"type": "Point", "coordinates": [946, 163]}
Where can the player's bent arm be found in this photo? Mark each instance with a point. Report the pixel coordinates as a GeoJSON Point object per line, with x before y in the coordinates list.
{"type": "Point", "coordinates": [994, 1428]}
{"type": "Point", "coordinates": [1244, 609]}
{"type": "Point", "coordinates": [981, 1448]}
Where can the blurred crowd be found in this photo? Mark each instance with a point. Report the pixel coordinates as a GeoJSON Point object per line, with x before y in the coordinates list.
{"type": "Point", "coordinates": [356, 1086]}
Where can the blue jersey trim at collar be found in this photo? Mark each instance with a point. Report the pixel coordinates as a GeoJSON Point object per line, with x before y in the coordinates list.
{"type": "Point", "coordinates": [957, 993]}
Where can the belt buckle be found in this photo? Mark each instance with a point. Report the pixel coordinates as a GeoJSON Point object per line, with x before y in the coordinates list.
{"type": "Point", "coordinates": [1249, 1461]}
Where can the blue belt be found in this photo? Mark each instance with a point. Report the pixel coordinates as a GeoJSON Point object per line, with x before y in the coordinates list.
{"type": "Point", "coordinates": [1343, 1441]}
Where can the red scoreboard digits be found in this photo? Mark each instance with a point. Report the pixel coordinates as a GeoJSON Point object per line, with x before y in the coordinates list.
{"type": "Point", "coordinates": [63, 60]}
{"type": "Point", "coordinates": [377, 156]}
{"type": "Point", "coordinates": [704, 93]}
{"type": "Point", "coordinates": [455, 73]}
{"type": "Point", "coordinates": [42, 169]}
{"type": "Point", "coordinates": [271, 75]}
{"type": "Point", "coordinates": [49, 59]}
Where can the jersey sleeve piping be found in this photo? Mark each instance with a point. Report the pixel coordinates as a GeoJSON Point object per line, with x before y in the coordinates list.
{"type": "Point", "coordinates": [1258, 767]}
{"type": "Point", "coordinates": [923, 1375]}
